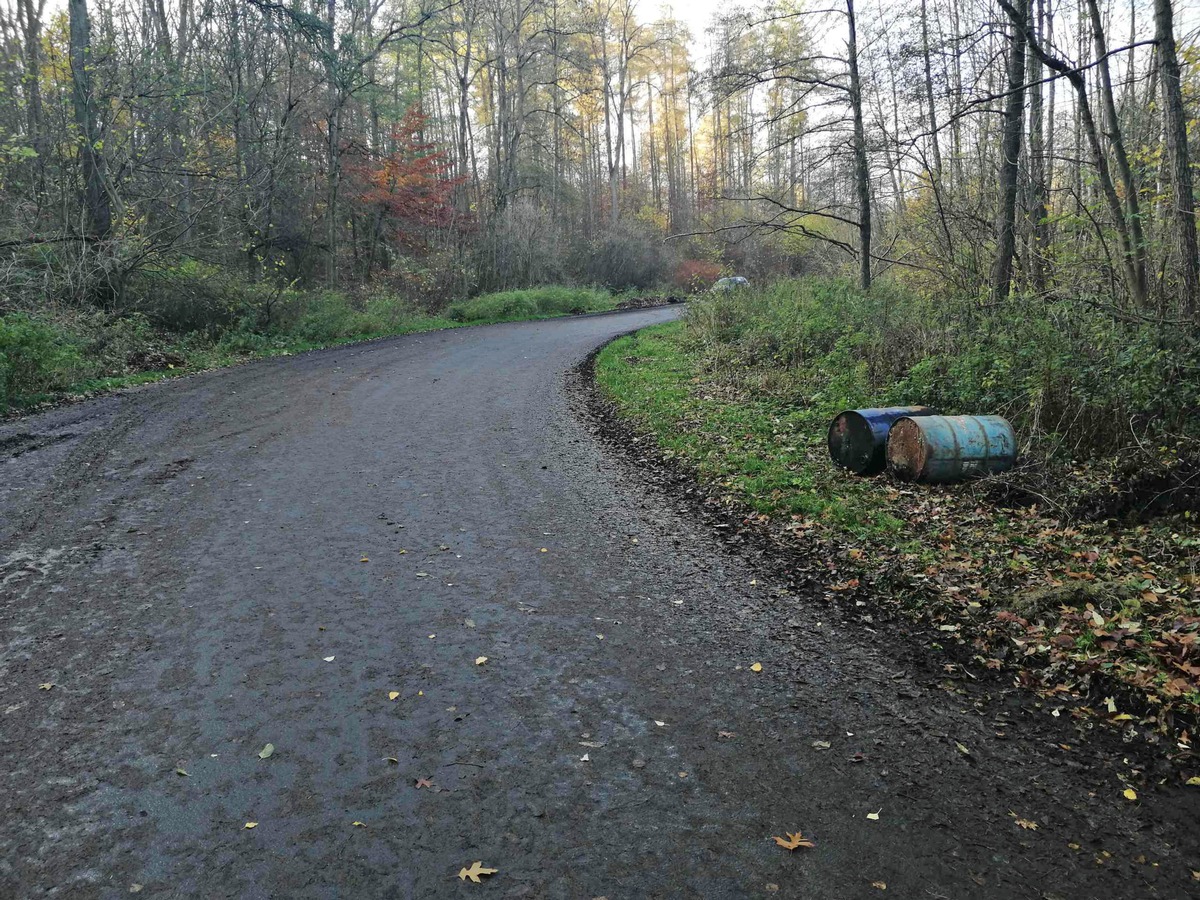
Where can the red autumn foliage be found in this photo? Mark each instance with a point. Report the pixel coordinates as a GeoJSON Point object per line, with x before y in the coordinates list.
{"type": "Point", "coordinates": [409, 187]}
{"type": "Point", "coordinates": [696, 275]}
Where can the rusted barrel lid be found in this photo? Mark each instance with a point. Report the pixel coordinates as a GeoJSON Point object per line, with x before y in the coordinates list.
{"type": "Point", "coordinates": [858, 437]}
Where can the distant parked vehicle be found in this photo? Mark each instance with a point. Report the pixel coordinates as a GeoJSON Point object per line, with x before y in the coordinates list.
{"type": "Point", "coordinates": [737, 282]}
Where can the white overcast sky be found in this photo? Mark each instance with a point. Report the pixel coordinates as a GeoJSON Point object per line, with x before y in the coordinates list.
{"type": "Point", "coordinates": [696, 14]}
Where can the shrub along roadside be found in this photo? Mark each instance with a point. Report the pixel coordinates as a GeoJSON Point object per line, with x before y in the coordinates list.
{"type": "Point", "coordinates": [43, 357]}
{"type": "Point", "coordinates": [1081, 609]}
{"type": "Point", "coordinates": [531, 303]}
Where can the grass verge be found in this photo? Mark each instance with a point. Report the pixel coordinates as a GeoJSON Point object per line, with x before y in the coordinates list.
{"type": "Point", "coordinates": [46, 358]}
{"type": "Point", "coordinates": [1095, 612]}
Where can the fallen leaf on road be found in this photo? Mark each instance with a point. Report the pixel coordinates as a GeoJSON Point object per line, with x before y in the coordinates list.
{"type": "Point", "coordinates": [265, 752]}
{"type": "Point", "coordinates": [182, 773]}
{"type": "Point", "coordinates": [821, 745]}
{"type": "Point", "coordinates": [364, 559]}
{"type": "Point", "coordinates": [874, 817]}
{"type": "Point", "coordinates": [1129, 794]}
{"type": "Point", "coordinates": [1194, 781]}
{"type": "Point", "coordinates": [585, 758]}
{"type": "Point", "coordinates": [47, 686]}
{"type": "Point", "coordinates": [879, 884]}
{"type": "Point", "coordinates": [544, 550]}
{"type": "Point", "coordinates": [329, 658]}
{"type": "Point", "coordinates": [962, 748]}
{"type": "Point", "coordinates": [1027, 824]}
{"type": "Point", "coordinates": [250, 825]}
{"type": "Point", "coordinates": [422, 574]}
{"type": "Point", "coordinates": [359, 824]}
{"type": "Point", "coordinates": [392, 695]}
{"type": "Point", "coordinates": [470, 623]}
{"type": "Point", "coordinates": [794, 841]}
{"type": "Point", "coordinates": [476, 869]}
{"type": "Point", "coordinates": [660, 724]}
{"type": "Point", "coordinates": [725, 734]}
{"type": "Point", "coordinates": [424, 783]}
{"type": "Point", "coordinates": [757, 667]}
{"type": "Point", "coordinates": [480, 660]}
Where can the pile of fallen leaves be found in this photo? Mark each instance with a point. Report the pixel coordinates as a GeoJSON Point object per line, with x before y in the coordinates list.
{"type": "Point", "coordinates": [1100, 616]}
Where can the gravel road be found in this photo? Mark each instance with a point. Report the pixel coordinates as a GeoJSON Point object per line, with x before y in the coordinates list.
{"type": "Point", "coordinates": [272, 553]}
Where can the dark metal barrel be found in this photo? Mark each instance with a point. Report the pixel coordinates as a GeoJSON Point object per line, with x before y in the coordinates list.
{"type": "Point", "coordinates": [857, 437]}
{"type": "Point", "coordinates": [950, 448]}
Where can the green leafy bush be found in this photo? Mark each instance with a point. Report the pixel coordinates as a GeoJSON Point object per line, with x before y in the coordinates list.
{"type": "Point", "coordinates": [1059, 370]}
{"type": "Point", "coordinates": [193, 296]}
{"type": "Point", "coordinates": [35, 358]}
{"type": "Point", "coordinates": [192, 316]}
{"type": "Point", "coordinates": [332, 316]}
{"type": "Point", "coordinates": [544, 301]}
{"type": "Point", "coordinates": [627, 256]}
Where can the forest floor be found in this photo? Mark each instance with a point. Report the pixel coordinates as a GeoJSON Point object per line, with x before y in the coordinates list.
{"type": "Point", "coordinates": [1093, 612]}
{"type": "Point", "coordinates": [353, 621]}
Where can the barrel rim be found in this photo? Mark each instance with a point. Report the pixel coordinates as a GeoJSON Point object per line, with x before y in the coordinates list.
{"type": "Point", "coordinates": [922, 448]}
{"type": "Point", "coordinates": [861, 420]}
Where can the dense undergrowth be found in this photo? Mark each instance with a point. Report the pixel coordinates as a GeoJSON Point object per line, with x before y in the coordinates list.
{"type": "Point", "coordinates": [529, 304]}
{"type": "Point", "coordinates": [1076, 571]}
{"type": "Point", "coordinates": [68, 350]}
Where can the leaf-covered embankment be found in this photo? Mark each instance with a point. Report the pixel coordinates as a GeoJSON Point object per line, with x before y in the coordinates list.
{"type": "Point", "coordinates": [1075, 573]}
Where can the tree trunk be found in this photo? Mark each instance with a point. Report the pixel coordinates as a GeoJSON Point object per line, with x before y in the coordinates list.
{"type": "Point", "coordinates": [31, 26]}
{"type": "Point", "coordinates": [1087, 124]}
{"type": "Point", "coordinates": [1117, 142]}
{"type": "Point", "coordinates": [333, 160]}
{"type": "Point", "coordinates": [1175, 120]}
{"type": "Point", "coordinates": [929, 98]}
{"type": "Point", "coordinates": [1038, 186]}
{"type": "Point", "coordinates": [862, 174]}
{"type": "Point", "coordinates": [97, 199]}
{"type": "Point", "coordinates": [1014, 116]}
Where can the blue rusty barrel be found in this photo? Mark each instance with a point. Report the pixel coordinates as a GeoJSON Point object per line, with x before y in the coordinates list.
{"type": "Point", "coordinates": [857, 437]}
{"type": "Point", "coordinates": [950, 448]}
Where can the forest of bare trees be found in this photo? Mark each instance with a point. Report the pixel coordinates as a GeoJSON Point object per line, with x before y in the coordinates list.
{"type": "Point", "coordinates": [444, 147]}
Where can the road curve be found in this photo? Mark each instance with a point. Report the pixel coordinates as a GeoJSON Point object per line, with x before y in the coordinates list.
{"type": "Point", "coordinates": [265, 554]}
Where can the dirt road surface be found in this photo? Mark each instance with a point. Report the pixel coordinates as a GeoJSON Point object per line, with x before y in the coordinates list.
{"type": "Point", "coordinates": [269, 554]}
